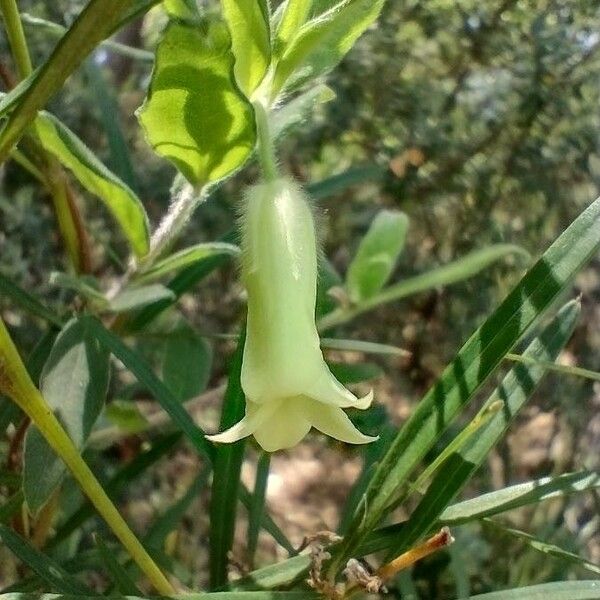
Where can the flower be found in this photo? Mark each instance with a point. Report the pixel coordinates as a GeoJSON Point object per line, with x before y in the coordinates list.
{"type": "Point", "coordinates": [287, 384]}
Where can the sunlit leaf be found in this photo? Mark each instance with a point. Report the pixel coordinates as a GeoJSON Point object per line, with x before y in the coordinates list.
{"type": "Point", "coordinates": [248, 22]}
{"type": "Point", "coordinates": [194, 113]}
{"type": "Point", "coordinates": [121, 201]}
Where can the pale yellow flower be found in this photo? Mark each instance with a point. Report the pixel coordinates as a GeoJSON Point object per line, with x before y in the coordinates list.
{"type": "Point", "coordinates": [287, 384]}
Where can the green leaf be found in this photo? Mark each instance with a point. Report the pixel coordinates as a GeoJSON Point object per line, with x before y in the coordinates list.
{"type": "Point", "coordinates": [136, 297]}
{"type": "Point", "coordinates": [94, 24]}
{"type": "Point", "coordinates": [85, 285]}
{"type": "Point", "coordinates": [144, 374]}
{"type": "Point", "coordinates": [297, 110]}
{"type": "Point", "coordinates": [475, 363]}
{"type": "Point", "coordinates": [293, 16]}
{"type": "Point", "coordinates": [105, 95]}
{"type": "Point", "coordinates": [74, 383]}
{"type": "Point", "coordinates": [182, 9]}
{"type": "Point", "coordinates": [267, 522]}
{"type": "Point", "coordinates": [10, 99]}
{"type": "Point", "coordinates": [377, 254]}
{"type": "Point", "coordinates": [248, 22]}
{"type": "Point", "coordinates": [519, 495]}
{"type": "Point", "coordinates": [362, 346]}
{"type": "Point", "coordinates": [454, 272]}
{"type": "Point", "coordinates": [544, 547]}
{"type": "Point", "coordinates": [44, 566]}
{"type": "Point", "coordinates": [116, 484]}
{"type": "Point", "coordinates": [194, 114]}
{"type": "Point", "coordinates": [120, 200]}
{"type": "Point", "coordinates": [257, 507]}
{"type": "Point", "coordinates": [514, 391]}
{"type": "Point", "coordinates": [557, 590]}
{"type": "Point", "coordinates": [321, 43]}
{"type": "Point", "coordinates": [187, 257]}
{"type": "Point", "coordinates": [226, 479]}
{"type": "Point", "coordinates": [186, 364]}
{"type": "Point", "coordinates": [342, 181]}
{"type": "Point", "coordinates": [27, 302]}
{"type": "Point", "coordinates": [171, 518]}
{"type": "Point", "coordinates": [124, 583]}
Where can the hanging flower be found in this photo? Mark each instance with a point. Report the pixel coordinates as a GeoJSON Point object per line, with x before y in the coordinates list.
{"type": "Point", "coordinates": [287, 384]}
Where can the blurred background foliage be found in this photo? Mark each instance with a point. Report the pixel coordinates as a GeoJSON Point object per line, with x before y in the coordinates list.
{"type": "Point", "coordinates": [481, 121]}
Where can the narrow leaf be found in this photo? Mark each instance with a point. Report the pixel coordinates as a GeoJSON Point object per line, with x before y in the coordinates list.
{"type": "Point", "coordinates": [144, 374]}
{"type": "Point", "coordinates": [187, 257]}
{"type": "Point", "coordinates": [226, 479]}
{"type": "Point", "coordinates": [44, 566]}
{"type": "Point", "coordinates": [544, 547]}
{"type": "Point", "coordinates": [514, 391]}
{"type": "Point", "coordinates": [93, 25]}
{"type": "Point", "coordinates": [557, 590]}
{"type": "Point", "coordinates": [137, 297]}
{"type": "Point", "coordinates": [248, 22]}
{"type": "Point", "coordinates": [27, 302]}
{"type": "Point", "coordinates": [475, 363]}
{"type": "Point", "coordinates": [321, 43]}
{"type": "Point", "coordinates": [194, 114]}
{"type": "Point", "coordinates": [522, 494]}
{"type": "Point", "coordinates": [377, 254]}
{"type": "Point", "coordinates": [124, 583]}
{"type": "Point", "coordinates": [294, 15]}
{"type": "Point", "coordinates": [297, 110]}
{"type": "Point", "coordinates": [127, 209]}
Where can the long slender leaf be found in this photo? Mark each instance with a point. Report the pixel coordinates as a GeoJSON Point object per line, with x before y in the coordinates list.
{"type": "Point", "coordinates": [122, 478]}
{"type": "Point", "coordinates": [180, 284]}
{"type": "Point", "coordinates": [126, 208]}
{"type": "Point", "coordinates": [258, 503]}
{"type": "Point", "coordinates": [186, 257]}
{"type": "Point", "coordinates": [226, 478]}
{"type": "Point", "coordinates": [519, 495]}
{"type": "Point", "coordinates": [514, 390]}
{"type": "Point", "coordinates": [155, 386]}
{"type": "Point", "coordinates": [45, 567]}
{"type": "Point", "coordinates": [27, 302]}
{"type": "Point", "coordinates": [454, 272]}
{"type": "Point", "coordinates": [557, 590]}
{"type": "Point", "coordinates": [92, 26]}
{"type": "Point", "coordinates": [124, 583]}
{"type": "Point", "coordinates": [544, 547]}
{"type": "Point", "coordinates": [474, 364]}
{"type": "Point", "coordinates": [171, 518]}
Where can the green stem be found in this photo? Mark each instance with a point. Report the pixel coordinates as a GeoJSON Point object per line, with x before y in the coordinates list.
{"type": "Point", "coordinates": [266, 148]}
{"type": "Point", "coordinates": [16, 383]}
{"type": "Point", "coordinates": [16, 37]}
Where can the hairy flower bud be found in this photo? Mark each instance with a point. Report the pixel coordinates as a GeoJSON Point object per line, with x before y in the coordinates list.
{"type": "Point", "coordinates": [287, 384]}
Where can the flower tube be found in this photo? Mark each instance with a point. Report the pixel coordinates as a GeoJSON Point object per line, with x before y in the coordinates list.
{"type": "Point", "coordinates": [287, 384]}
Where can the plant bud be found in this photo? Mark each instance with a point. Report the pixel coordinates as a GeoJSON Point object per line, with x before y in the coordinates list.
{"type": "Point", "coordinates": [287, 384]}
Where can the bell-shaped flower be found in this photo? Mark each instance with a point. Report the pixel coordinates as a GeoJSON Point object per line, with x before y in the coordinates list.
{"type": "Point", "coordinates": [287, 384]}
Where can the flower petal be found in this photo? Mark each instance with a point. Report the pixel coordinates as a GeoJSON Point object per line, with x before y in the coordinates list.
{"type": "Point", "coordinates": [328, 390]}
{"type": "Point", "coordinates": [334, 422]}
{"type": "Point", "coordinates": [284, 428]}
{"type": "Point", "coordinates": [256, 414]}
